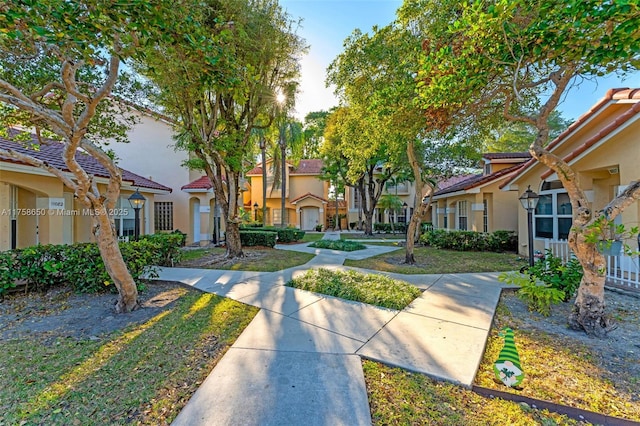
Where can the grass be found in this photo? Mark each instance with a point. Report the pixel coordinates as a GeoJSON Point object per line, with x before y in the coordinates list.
{"type": "Point", "coordinates": [342, 245]}
{"type": "Point", "coordinates": [435, 261]}
{"type": "Point", "coordinates": [311, 237]}
{"type": "Point", "coordinates": [398, 397]}
{"type": "Point", "coordinates": [195, 254]}
{"type": "Point", "coordinates": [360, 236]}
{"type": "Point", "coordinates": [142, 375]}
{"type": "Point", "coordinates": [256, 259]}
{"type": "Point", "coordinates": [559, 370]}
{"type": "Point", "coordinates": [367, 288]}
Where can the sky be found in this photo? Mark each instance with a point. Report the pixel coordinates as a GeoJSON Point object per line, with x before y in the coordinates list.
{"type": "Point", "coordinates": [326, 23]}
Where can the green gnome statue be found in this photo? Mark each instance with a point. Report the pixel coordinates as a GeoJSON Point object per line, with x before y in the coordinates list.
{"type": "Point", "coordinates": [507, 368]}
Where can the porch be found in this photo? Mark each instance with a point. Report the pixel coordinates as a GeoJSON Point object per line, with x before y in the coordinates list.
{"type": "Point", "coordinates": [623, 271]}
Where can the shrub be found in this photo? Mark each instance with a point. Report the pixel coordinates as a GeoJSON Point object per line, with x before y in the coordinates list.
{"type": "Point", "coordinates": [285, 235]}
{"type": "Point", "coordinates": [552, 272]}
{"type": "Point", "coordinates": [81, 266]}
{"type": "Point", "coordinates": [342, 245]}
{"type": "Point", "coordinates": [168, 247]}
{"type": "Point", "coordinates": [538, 295]}
{"type": "Point", "coordinates": [257, 238]}
{"type": "Point", "coordinates": [386, 227]}
{"type": "Point", "coordinates": [497, 241]}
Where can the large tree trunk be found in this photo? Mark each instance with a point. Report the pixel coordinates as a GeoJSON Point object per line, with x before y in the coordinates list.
{"type": "Point", "coordinates": [420, 205]}
{"type": "Point", "coordinates": [368, 222]}
{"type": "Point", "coordinates": [104, 232]}
{"type": "Point", "coordinates": [234, 246]}
{"type": "Point", "coordinates": [588, 312]}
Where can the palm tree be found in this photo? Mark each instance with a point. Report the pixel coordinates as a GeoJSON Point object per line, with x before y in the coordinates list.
{"type": "Point", "coordinates": [390, 203]}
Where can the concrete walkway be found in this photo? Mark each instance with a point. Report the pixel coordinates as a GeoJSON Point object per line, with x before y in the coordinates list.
{"type": "Point", "coordinates": [299, 360]}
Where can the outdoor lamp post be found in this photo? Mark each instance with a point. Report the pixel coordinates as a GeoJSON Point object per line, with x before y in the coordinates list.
{"type": "Point", "coordinates": [255, 212]}
{"type": "Point", "coordinates": [529, 201]}
{"type": "Point", "coordinates": [404, 207]}
{"type": "Point", "coordinates": [137, 202]}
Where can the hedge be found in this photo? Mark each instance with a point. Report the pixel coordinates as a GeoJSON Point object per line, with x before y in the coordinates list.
{"type": "Point", "coordinates": [386, 227]}
{"type": "Point", "coordinates": [498, 241]}
{"type": "Point", "coordinates": [257, 238]}
{"type": "Point", "coordinates": [80, 265]}
{"type": "Point", "coordinates": [285, 235]}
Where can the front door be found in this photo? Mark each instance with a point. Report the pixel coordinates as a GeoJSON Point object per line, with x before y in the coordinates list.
{"type": "Point", "coordinates": [310, 217]}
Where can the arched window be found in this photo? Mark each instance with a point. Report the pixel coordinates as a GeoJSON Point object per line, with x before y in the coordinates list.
{"type": "Point", "coordinates": [553, 215]}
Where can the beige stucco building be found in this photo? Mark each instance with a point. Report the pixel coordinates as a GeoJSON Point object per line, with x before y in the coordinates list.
{"type": "Point", "coordinates": [36, 207]}
{"type": "Point", "coordinates": [305, 195]}
{"type": "Point", "coordinates": [603, 147]}
{"type": "Point", "coordinates": [475, 202]}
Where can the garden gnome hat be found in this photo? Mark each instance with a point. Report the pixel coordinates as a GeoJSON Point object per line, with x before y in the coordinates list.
{"type": "Point", "coordinates": [507, 368]}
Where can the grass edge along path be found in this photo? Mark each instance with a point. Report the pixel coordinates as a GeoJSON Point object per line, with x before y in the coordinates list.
{"type": "Point", "coordinates": [341, 245]}
{"type": "Point", "coordinates": [437, 261]}
{"type": "Point", "coordinates": [143, 374]}
{"type": "Point", "coordinates": [373, 289]}
{"type": "Point", "coordinates": [400, 397]}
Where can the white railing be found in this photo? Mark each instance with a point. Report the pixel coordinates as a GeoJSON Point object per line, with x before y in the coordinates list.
{"type": "Point", "coordinates": [622, 270]}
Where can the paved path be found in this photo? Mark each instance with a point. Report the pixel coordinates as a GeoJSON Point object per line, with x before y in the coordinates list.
{"type": "Point", "coordinates": [299, 360]}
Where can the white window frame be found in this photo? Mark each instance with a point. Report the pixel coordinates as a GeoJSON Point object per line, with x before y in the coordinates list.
{"type": "Point", "coordinates": [485, 215]}
{"type": "Point", "coordinates": [462, 212]}
{"type": "Point", "coordinates": [554, 216]}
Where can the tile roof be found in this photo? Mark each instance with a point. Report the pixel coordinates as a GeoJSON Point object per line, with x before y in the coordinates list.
{"type": "Point", "coordinates": [51, 152]}
{"type": "Point", "coordinates": [505, 155]}
{"type": "Point", "coordinates": [305, 167]}
{"type": "Point", "coordinates": [308, 167]}
{"type": "Point", "coordinates": [477, 180]}
{"type": "Point", "coordinates": [308, 194]}
{"type": "Point", "coordinates": [201, 183]}
{"type": "Point", "coordinates": [619, 94]}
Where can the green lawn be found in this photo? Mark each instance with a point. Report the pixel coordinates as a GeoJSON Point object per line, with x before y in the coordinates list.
{"type": "Point", "coordinates": [342, 245]}
{"type": "Point", "coordinates": [256, 259]}
{"type": "Point", "coordinates": [361, 236]}
{"type": "Point", "coordinates": [311, 237]}
{"type": "Point", "coordinates": [141, 375]}
{"type": "Point", "coordinates": [399, 397]}
{"type": "Point", "coordinates": [373, 289]}
{"type": "Point", "coordinates": [435, 261]}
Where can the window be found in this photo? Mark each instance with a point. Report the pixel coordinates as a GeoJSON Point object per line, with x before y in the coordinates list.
{"type": "Point", "coordinates": [485, 216]}
{"type": "Point", "coordinates": [487, 169]}
{"type": "Point", "coordinates": [462, 215]}
{"type": "Point", "coordinates": [356, 199]}
{"type": "Point", "coordinates": [125, 223]}
{"type": "Point", "coordinates": [553, 215]}
{"type": "Point", "coordinates": [277, 216]}
{"type": "Point", "coordinates": [163, 215]}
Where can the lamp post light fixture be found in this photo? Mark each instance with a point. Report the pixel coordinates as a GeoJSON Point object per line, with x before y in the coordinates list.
{"type": "Point", "coordinates": [529, 201]}
{"type": "Point", "coordinates": [136, 200]}
{"type": "Point", "coordinates": [255, 211]}
{"type": "Point", "coordinates": [404, 207]}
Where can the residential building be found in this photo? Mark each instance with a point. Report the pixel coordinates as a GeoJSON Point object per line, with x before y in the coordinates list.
{"type": "Point", "coordinates": [36, 207]}
{"type": "Point", "coordinates": [306, 195]}
{"type": "Point", "coordinates": [475, 202]}
{"type": "Point", "coordinates": [603, 147]}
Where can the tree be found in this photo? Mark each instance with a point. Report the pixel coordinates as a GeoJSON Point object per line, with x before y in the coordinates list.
{"type": "Point", "coordinates": [217, 102]}
{"type": "Point", "coordinates": [376, 75]}
{"type": "Point", "coordinates": [510, 136]}
{"type": "Point", "coordinates": [289, 136]}
{"type": "Point", "coordinates": [523, 56]}
{"type": "Point", "coordinates": [355, 155]}
{"type": "Point", "coordinates": [314, 125]}
{"type": "Point", "coordinates": [59, 65]}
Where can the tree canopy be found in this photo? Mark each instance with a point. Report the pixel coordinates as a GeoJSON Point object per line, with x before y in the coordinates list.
{"type": "Point", "coordinates": [521, 57]}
